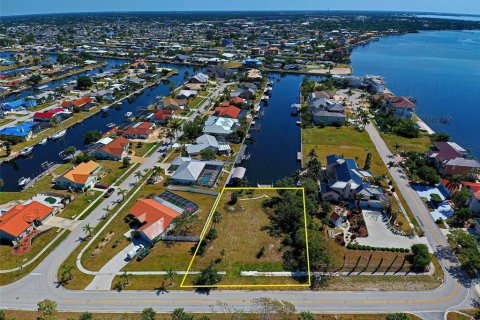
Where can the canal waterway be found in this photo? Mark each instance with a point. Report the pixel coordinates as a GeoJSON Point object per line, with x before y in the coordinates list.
{"type": "Point", "coordinates": [441, 69]}
{"type": "Point", "coordinates": [31, 166]}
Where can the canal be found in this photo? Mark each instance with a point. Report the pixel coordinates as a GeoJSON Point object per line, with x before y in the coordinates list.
{"type": "Point", "coordinates": [273, 155]}
{"type": "Point", "coordinates": [31, 166]}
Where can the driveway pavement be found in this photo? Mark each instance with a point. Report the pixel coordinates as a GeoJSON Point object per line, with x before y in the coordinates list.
{"type": "Point", "coordinates": [62, 223]}
{"type": "Point", "coordinates": [380, 234]}
{"type": "Point", "coordinates": [442, 210]}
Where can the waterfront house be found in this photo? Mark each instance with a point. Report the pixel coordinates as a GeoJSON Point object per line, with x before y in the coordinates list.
{"type": "Point", "coordinates": [327, 111]}
{"type": "Point", "coordinates": [450, 159]}
{"type": "Point", "coordinates": [227, 112]}
{"type": "Point", "coordinates": [80, 177]}
{"type": "Point", "coordinates": [174, 104]}
{"type": "Point", "coordinates": [474, 202]}
{"type": "Point", "coordinates": [401, 106]}
{"type": "Point", "coordinates": [216, 72]}
{"type": "Point", "coordinates": [112, 149]}
{"type": "Point", "coordinates": [208, 142]}
{"type": "Point", "coordinates": [153, 217]}
{"type": "Point", "coordinates": [50, 115]}
{"type": "Point", "coordinates": [139, 130]}
{"type": "Point", "coordinates": [252, 63]}
{"type": "Point", "coordinates": [199, 78]}
{"type": "Point", "coordinates": [344, 180]}
{"type": "Point", "coordinates": [188, 171]}
{"type": "Point", "coordinates": [19, 104]}
{"type": "Point", "coordinates": [187, 94]}
{"type": "Point", "coordinates": [220, 127]}
{"type": "Point", "coordinates": [85, 104]}
{"type": "Point", "coordinates": [162, 115]}
{"type": "Point", "coordinates": [22, 219]}
{"type": "Point", "coordinates": [24, 131]}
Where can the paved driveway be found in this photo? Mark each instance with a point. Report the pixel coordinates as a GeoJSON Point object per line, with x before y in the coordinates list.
{"type": "Point", "coordinates": [379, 234]}
{"type": "Point", "coordinates": [62, 223]}
{"type": "Point", "coordinates": [443, 210]}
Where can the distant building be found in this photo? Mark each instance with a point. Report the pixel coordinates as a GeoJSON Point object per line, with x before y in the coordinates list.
{"type": "Point", "coordinates": [450, 159]}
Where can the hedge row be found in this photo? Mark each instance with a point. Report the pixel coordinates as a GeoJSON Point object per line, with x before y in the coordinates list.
{"type": "Point", "coordinates": [364, 247]}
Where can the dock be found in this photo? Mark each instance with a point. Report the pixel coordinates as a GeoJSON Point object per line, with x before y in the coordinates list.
{"type": "Point", "coordinates": [299, 156]}
{"type": "Point", "coordinates": [241, 154]}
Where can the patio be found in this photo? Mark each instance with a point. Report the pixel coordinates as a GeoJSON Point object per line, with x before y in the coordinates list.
{"type": "Point", "coordinates": [442, 210]}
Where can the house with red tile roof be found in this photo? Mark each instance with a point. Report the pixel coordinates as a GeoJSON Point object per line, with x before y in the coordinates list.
{"type": "Point", "coordinates": [227, 112]}
{"type": "Point", "coordinates": [401, 106]}
{"type": "Point", "coordinates": [138, 64]}
{"type": "Point", "coordinates": [237, 101]}
{"type": "Point", "coordinates": [139, 130]}
{"type": "Point", "coordinates": [20, 220]}
{"type": "Point", "coordinates": [161, 116]}
{"type": "Point", "coordinates": [84, 103]}
{"type": "Point", "coordinates": [154, 218]}
{"type": "Point", "coordinates": [48, 115]}
{"type": "Point", "coordinates": [474, 202]}
{"type": "Point", "coordinates": [114, 150]}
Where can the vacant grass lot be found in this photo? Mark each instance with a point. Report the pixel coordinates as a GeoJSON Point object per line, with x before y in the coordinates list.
{"type": "Point", "coordinates": [242, 235]}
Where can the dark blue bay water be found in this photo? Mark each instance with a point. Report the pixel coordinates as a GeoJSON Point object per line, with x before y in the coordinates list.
{"type": "Point", "coordinates": [439, 68]}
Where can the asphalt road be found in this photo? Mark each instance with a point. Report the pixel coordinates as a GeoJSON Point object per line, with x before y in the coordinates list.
{"type": "Point", "coordinates": [454, 293]}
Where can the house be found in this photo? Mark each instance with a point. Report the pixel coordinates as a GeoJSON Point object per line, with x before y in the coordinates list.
{"type": "Point", "coordinates": [219, 72]}
{"type": "Point", "coordinates": [377, 84]}
{"type": "Point", "coordinates": [186, 94]}
{"type": "Point", "coordinates": [227, 112]}
{"type": "Point", "coordinates": [327, 111]}
{"type": "Point", "coordinates": [154, 218]}
{"type": "Point", "coordinates": [252, 63]}
{"type": "Point", "coordinates": [19, 104]}
{"type": "Point", "coordinates": [84, 103]}
{"type": "Point", "coordinates": [23, 131]}
{"type": "Point", "coordinates": [199, 78]}
{"type": "Point", "coordinates": [48, 115]}
{"type": "Point", "coordinates": [450, 159]}
{"type": "Point", "coordinates": [401, 106]}
{"type": "Point", "coordinates": [139, 130]}
{"type": "Point", "coordinates": [219, 126]}
{"type": "Point", "coordinates": [254, 74]}
{"type": "Point", "coordinates": [81, 177]}
{"type": "Point", "coordinates": [345, 181]}
{"type": "Point", "coordinates": [207, 142]}
{"type": "Point", "coordinates": [188, 171]}
{"type": "Point", "coordinates": [247, 94]}
{"type": "Point", "coordinates": [474, 202]}
{"type": "Point", "coordinates": [238, 101]}
{"type": "Point", "coordinates": [104, 95]}
{"type": "Point", "coordinates": [21, 219]}
{"type": "Point", "coordinates": [114, 149]}
{"type": "Point", "coordinates": [162, 115]}
{"type": "Point", "coordinates": [319, 95]}
{"type": "Point", "coordinates": [138, 64]}
{"type": "Point", "coordinates": [136, 81]}
{"type": "Point", "coordinates": [174, 104]}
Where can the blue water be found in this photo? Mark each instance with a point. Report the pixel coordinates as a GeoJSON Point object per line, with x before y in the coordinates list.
{"type": "Point", "coordinates": [30, 167]}
{"type": "Point", "coordinates": [274, 152]}
{"type": "Point", "coordinates": [463, 18]}
{"type": "Point", "coordinates": [439, 68]}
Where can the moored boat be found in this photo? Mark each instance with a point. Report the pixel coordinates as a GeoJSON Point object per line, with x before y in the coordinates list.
{"type": "Point", "coordinates": [58, 135]}
{"type": "Point", "coordinates": [43, 141]}
{"type": "Point", "coordinates": [23, 181]}
{"type": "Point", "coordinates": [26, 151]}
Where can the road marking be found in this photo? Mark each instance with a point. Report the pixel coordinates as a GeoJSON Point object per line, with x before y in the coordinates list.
{"type": "Point", "coordinates": [35, 274]}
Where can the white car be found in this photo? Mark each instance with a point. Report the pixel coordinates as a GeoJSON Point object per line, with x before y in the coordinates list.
{"type": "Point", "coordinates": [132, 253]}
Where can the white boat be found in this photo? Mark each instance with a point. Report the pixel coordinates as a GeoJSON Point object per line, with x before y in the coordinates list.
{"type": "Point", "coordinates": [111, 125]}
{"type": "Point", "coordinates": [23, 181]}
{"type": "Point", "coordinates": [65, 157]}
{"type": "Point", "coordinates": [104, 109]}
{"type": "Point", "coordinates": [298, 123]}
{"type": "Point", "coordinates": [58, 135]}
{"type": "Point", "coordinates": [26, 151]}
{"type": "Point", "coordinates": [43, 141]}
{"type": "Point", "coordinates": [128, 114]}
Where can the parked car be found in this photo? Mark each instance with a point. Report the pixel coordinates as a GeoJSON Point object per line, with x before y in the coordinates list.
{"type": "Point", "coordinates": [143, 254]}
{"type": "Point", "coordinates": [100, 185]}
{"type": "Point", "coordinates": [109, 192]}
{"type": "Point", "coordinates": [132, 253]}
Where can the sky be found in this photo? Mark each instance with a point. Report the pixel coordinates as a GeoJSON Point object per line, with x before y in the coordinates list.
{"type": "Point", "coordinates": [21, 7]}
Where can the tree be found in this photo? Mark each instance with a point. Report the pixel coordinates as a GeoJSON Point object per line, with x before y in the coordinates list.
{"type": "Point", "coordinates": [421, 257]}
{"type": "Point", "coordinates": [8, 148]}
{"type": "Point", "coordinates": [466, 245]}
{"type": "Point", "coordinates": [233, 198]}
{"type": "Point", "coordinates": [180, 314]}
{"type": "Point", "coordinates": [440, 137]}
{"type": "Point", "coordinates": [397, 316]}
{"type": "Point", "coordinates": [86, 316]}
{"type": "Point", "coordinates": [70, 150]}
{"type": "Point", "coordinates": [138, 175]}
{"type": "Point", "coordinates": [91, 137]}
{"type": "Point", "coordinates": [368, 162]}
{"type": "Point", "coordinates": [462, 215]}
{"type": "Point", "coordinates": [460, 197]}
{"type": "Point", "coordinates": [170, 136]}
{"type": "Point", "coordinates": [87, 229]}
{"type": "Point", "coordinates": [312, 154]}
{"type": "Point", "coordinates": [148, 314]}
{"type": "Point", "coordinates": [397, 146]}
{"type": "Point", "coordinates": [47, 310]}
{"type": "Point", "coordinates": [217, 217]}
{"type": "Point", "coordinates": [208, 154]}
{"type": "Point", "coordinates": [125, 276]}
{"type": "Point", "coordinates": [170, 274]}
{"type": "Point", "coordinates": [122, 192]}
{"type": "Point", "coordinates": [208, 276]}
{"type": "Point", "coordinates": [428, 175]}
{"type": "Point", "coordinates": [454, 182]}
{"type": "Point", "coordinates": [125, 162]}
{"type": "Point", "coordinates": [84, 82]}
{"type": "Point", "coordinates": [306, 315]}
{"type": "Point", "coordinates": [35, 79]}
{"type": "Point", "coordinates": [66, 273]}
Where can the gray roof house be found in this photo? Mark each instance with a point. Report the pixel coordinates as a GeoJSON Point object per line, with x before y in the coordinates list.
{"type": "Point", "coordinates": [327, 111]}
{"type": "Point", "coordinates": [188, 171]}
{"type": "Point", "coordinates": [219, 126]}
{"type": "Point", "coordinates": [205, 142]}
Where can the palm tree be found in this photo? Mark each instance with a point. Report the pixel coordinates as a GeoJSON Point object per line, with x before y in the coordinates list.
{"type": "Point", "coordinates": [122, 192]}
{"type": "Point", "coordinates": [175, 125]}
{"type": "Point", "coordinates": [87, 229]}
{"type": "Point", "coordinates": [66, 273]}
{"type": "Point", "coordinates": [170, 136]}
{"type": "Point", "coordinates": [397, 146]}
{"type": "Point", "coordinates": [296, 175]}
{"type": "Point", "coordinates": [125, 276]}
{"type": "Point", "coordinates": [217, 217]}
{"type": "Point", "coordinates": [454, 183]}
{"type": "Point", "coordinates": [170, 275]}
{"type": "Point", "coordinates": [138, 175]}
{"type": "Point", "coordinates": [312, 154]}
{"type": "Point", "coordinates": [107, 211]}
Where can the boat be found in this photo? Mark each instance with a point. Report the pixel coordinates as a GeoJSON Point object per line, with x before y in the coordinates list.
{"type": "Point", "coordinates": [43, 141]}
{"type": "Point", "coordinates": [26, 151]}
{"type": "Point", "coordinates": [24, 181]}
{"type": "Point", "coordinates": [128, 114]}
{"type": "Point", "coordinates": [119, 103]}
{"type": "Point", "coordinates": [58, 135]}
{"type": "Point", "coordinates": [298, 123]}
{"type": "Point", "coordinates": [104, 109]}
{"type": "Point", "coordinates": [65, 157]}
{"type": "Point", "coordinates": [111, 125]}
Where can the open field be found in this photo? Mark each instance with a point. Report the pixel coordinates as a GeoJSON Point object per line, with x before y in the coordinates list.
{"type": "Point", "coordinates": [242, 233]}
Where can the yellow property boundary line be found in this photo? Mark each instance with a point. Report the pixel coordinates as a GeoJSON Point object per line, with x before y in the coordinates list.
{"type": "Point", "coordinates": [182, 285]}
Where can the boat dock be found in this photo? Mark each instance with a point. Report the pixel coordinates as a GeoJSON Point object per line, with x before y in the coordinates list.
{"type": "Point", "coordinates": [241, 154]}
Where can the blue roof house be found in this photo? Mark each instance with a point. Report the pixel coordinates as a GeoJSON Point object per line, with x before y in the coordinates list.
{"type": "Point", "coordinates": [252, 63]}
{"type": "Point", "coordinates": [345, 180]}
{"type": "Point", "coordinates": [24, 131]}
{"type": "Point", "coordinates": [19, 104]}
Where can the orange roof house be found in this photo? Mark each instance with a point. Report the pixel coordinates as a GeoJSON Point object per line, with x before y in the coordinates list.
{"type": "Point", "coordinates": [20, 220]}
{"type": "Point", "coordinates": [114, 150]}
{"type": "Point", "coordinates": [80, 177]}
{"type": "Point", "coordinates": [227, 112]}
{"type": "Point", "coordinates": [80, 103]}
{"type": "Point", "coordinates": [154, 217]}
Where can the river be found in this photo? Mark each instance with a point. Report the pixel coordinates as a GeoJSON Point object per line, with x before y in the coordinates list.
{"type": "Point", "coordinates": [32, 166]}
{"type": "Point", "coordinates": [441, 69]}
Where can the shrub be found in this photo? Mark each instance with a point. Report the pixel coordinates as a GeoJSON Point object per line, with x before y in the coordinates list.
{"type": "Point", "coordinates": [435, 198]}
